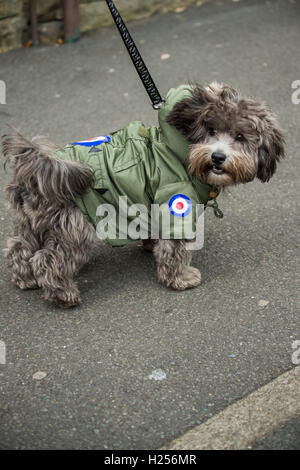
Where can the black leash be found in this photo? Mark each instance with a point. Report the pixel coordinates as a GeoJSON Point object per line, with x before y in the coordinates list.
{"type": "Point", "coordinates": [136, 58]}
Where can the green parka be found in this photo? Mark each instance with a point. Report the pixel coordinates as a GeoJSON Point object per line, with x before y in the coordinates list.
{"type": "Point", "coordinates": [148, 165]}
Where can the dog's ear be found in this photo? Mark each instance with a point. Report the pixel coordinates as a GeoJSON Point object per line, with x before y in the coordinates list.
{"type": "Point", "coordinates": [272, 146]}
{"type": "Point", "coordinates": [187, 116]}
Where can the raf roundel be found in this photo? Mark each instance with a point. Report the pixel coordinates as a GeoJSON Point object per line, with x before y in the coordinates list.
{"type": "Point", "coordinates": [180, 205]}
{"type": "Point", "coordinates": [93, 142]}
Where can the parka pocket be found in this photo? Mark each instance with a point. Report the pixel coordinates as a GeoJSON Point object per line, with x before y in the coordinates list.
{"type": "Point", "coordinates": [126, 164]}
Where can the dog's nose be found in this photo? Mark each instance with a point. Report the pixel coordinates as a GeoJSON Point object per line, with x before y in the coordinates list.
{"type": "Point", "coordinates": [218, 158]}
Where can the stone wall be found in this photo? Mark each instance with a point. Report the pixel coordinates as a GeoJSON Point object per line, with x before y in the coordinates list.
{"type": "Point", "coordinates": [15, 25]}
{"type": "Point", "coordinates": [95, 14]}
{"type": "Point", "coordinates": [11, 24]}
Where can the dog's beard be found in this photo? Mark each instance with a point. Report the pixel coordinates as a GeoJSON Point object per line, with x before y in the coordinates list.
{"type": "Point", "coordinates": [239, 167]}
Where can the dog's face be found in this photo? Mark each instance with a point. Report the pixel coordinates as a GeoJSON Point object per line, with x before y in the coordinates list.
{"type": "Point", "coordinates": [233, 139]}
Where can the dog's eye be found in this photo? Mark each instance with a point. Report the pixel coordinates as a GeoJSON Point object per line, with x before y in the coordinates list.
{"type": "Point", "coordinates": [212, 131]}
{"type": "Point", "coordinates": [240, 137]}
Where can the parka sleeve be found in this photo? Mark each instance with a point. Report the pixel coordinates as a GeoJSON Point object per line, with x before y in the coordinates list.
{"type": "Point", "coordinates": [175, 211]}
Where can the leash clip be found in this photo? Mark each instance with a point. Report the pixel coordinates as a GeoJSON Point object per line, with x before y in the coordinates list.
{"type": "Point", "coordinates": [158, 105]}
{"type": "Point", "coordinates": [217, 211]}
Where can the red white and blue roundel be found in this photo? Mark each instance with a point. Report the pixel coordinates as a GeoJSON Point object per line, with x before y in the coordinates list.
{"type": "Point", "coordinates": [180, 205]}
{"type": "Point", "coordinates": [93, 142]}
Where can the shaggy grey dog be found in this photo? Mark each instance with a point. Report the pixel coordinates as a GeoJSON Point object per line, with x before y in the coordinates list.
{"type": "Point", "coordinates": [232, 139]}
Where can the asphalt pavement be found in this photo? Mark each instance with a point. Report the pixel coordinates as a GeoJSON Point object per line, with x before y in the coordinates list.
{"type": "Point", "coordinates": [138, 365]}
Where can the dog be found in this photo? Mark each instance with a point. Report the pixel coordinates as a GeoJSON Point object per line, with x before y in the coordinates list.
{"type": "Point", "coordinates": [209, 137]}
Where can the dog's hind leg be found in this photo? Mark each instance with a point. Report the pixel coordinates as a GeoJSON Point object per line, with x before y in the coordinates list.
{"type": "Point", "coordinates": [19, 249]}
{"type": "Point", "coordinates": [55, 275]}
{"type": "Point", "coordinates": [65, 250]}
{"type": "Point", "coordinates": [44, 189]}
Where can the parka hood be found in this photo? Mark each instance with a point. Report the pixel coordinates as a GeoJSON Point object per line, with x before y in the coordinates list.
{"type": "Point", "coordinates": [175, 141]}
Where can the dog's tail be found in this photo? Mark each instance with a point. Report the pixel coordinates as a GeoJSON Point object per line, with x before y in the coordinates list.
{"type": "Point", "coordinates": [37, 170]}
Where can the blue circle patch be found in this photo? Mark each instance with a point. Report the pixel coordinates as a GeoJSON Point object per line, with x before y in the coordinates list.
{"type": "Point", "coordinates": [180, 205]}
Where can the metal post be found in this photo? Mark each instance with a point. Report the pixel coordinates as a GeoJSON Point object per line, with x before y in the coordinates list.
{"type": "Point", "coordinates": [71, 20]}
{"type": "Point", "coordinates": [33, 20]}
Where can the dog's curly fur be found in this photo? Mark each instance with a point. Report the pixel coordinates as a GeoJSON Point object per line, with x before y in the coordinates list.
{"type": "Point", "coordinates": [52, 239]}
{"type": "Point", "coordinates": [233, 140]}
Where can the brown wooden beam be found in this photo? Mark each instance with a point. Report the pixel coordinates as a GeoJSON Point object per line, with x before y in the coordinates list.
{"type": "Point", "coordinates": [71, 20]}
{"type": "Point", "coordinates": [33, 21]}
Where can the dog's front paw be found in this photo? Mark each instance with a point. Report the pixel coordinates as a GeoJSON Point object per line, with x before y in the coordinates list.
{"type": "Point", "coordinates": [191, 277]}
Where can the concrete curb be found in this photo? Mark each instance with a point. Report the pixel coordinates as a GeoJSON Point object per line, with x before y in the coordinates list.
{"type": "Point", "coordinates": [249, 419]}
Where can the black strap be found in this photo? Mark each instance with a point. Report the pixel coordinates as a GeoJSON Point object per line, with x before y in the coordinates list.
{"type": "Point", "coordinates": [136, 57]}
